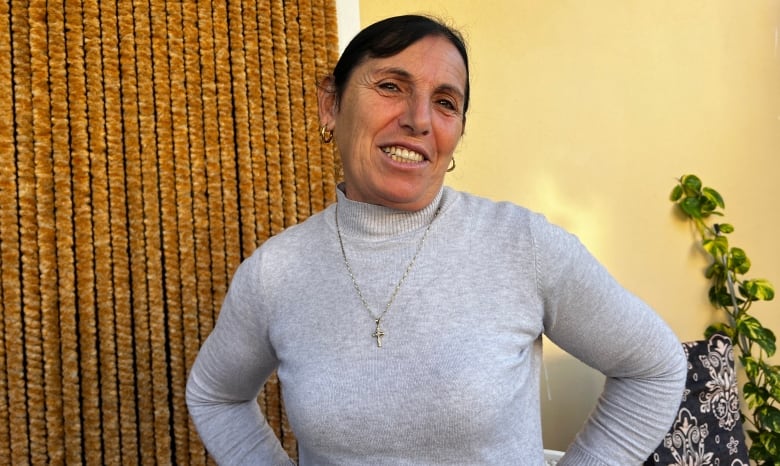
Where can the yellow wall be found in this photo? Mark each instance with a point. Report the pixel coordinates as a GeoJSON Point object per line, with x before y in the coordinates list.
{"type": "Point", "coordinates": [587, 111]}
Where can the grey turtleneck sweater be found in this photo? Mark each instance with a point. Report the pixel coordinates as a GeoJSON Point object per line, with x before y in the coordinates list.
{"type": "Point", "coordinates": [456, 381]}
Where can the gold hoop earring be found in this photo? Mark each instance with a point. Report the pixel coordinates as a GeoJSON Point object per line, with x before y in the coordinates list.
{"type": "Point", "coordinates": [452, 165]}
{"type": "Point", "coordinates": [326, 135]}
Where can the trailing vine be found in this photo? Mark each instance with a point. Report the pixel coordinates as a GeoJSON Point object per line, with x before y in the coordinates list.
{"type": "Point", "coordinates": [732, 292]}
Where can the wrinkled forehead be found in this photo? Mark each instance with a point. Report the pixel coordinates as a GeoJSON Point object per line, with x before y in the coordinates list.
{"type": "Point", "coordinates": [432, 61]}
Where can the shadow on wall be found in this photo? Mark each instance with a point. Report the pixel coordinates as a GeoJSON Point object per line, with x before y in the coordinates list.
{"type": "Point", "coordinates": [569, 392]}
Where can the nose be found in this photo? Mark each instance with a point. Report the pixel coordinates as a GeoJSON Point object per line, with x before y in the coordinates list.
{"type": "Point", "coordinates": [417, 117]}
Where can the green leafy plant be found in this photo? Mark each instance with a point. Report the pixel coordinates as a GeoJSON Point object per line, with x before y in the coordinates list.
{"type": "Point", "coordinates": [735, 294]}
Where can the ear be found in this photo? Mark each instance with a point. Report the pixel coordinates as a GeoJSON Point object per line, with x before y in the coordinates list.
{"type": "Point", "coordinates": [328, 103]}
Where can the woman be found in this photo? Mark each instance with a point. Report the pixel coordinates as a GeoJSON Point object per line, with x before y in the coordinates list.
{"type": "Point", "coordinates": [405, 320]}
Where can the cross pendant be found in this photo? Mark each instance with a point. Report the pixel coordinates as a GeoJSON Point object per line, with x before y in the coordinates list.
{"type": "Point", "coordinates": [378, 334]}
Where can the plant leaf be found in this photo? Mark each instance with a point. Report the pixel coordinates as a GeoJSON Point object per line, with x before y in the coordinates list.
{"type": "Point", "coordinates": [720, 297]}
{"type": "Point", "coordinates": [738, 261]}
{"type": "Point", "coordinates": [757, 451]}
{"type": "Point", "coordinates": [717, 246]}
{"type": "Point", "coordinates": [719, 328]}
{"type": "Point", "coordinates": [754, 395]}
{"type": "Point", "coordinates": [764, 447]}
{"type": "Point", "coordinates": [714, 197]}
{"type": "Point", "coordinates": [771, 443]}
{"type": "Point", "coordinates": [759, 289]}
{"type": "Point", "coordinates": [773, 381]}
{"type": "Point", "coordinates": [725, 228]}
{"type": "Point", "coordinates": [691, 206]}
{"type": "Point", "coordinates": [769, 417]}
{"type": "Point", "coordinates": [714, 269]}
{"type": "Point", "coordinates": [676, 193]}
{"type": "Point", "coordinates": [691, 184]}
{"type": "Point", "coordinates": [750, 365]}
{"type": "Point", "coordinates": [760, 335]}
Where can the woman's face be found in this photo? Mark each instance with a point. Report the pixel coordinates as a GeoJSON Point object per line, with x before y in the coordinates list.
{"type": "Point", "coordinates": [398, 122]}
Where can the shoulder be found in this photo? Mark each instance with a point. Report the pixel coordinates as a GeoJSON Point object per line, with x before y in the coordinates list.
{"type": "Point", "coordinates": [478, 210]}
{"type": "Point", "coordinates": [301, 234]}
{"type": "Point", "coordinates": [510, 225]}
{"type": "Point", "coordinates": [304, 239]}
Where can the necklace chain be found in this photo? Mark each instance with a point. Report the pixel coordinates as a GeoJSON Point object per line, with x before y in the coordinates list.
{"type": "Point", "coordinates": [379, 332]}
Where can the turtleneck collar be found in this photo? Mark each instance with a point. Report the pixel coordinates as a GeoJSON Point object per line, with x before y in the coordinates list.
{"type": "Point", "coordinates": [380, 222]}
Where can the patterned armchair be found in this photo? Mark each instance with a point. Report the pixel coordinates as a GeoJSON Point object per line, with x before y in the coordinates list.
{"type": "Point", "coordinates": [708, 429]}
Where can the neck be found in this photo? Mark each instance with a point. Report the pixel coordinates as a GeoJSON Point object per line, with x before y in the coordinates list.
{"type": "Point", "coordinates": [407, 205]}
{"type": "Point", "coordinates": [359, 218]}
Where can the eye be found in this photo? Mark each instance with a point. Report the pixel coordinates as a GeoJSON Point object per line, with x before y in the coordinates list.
{"type": "Point", "coordinates": [388, 86]}
{"type": "Point", "coordinates": [448, 105]}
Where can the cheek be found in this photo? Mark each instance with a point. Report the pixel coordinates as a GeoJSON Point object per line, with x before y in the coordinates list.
{"type": "Point", "coordinates": [355, 149]}
{"type": "Point", "coordinates": [450, 138]}
{"type": "Point", "coordinates": [359, 126]}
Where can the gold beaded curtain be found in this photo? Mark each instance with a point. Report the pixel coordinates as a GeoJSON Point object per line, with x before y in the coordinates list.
{"type": "Point", "coordinates": [146, 148]}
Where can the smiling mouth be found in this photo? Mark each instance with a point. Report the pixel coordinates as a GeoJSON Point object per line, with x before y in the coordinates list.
{"type": "Point", "coordinates": [403, 155]}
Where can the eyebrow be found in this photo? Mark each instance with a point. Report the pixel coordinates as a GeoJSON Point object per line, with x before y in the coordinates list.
{"type": "Point", "coordinates": [407, 76]}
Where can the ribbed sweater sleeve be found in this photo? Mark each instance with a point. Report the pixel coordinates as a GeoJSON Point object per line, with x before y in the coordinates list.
{"type": "Point", "coordinates": [591, 316]}
{"type": "Point", "coordinates": [231, 368]}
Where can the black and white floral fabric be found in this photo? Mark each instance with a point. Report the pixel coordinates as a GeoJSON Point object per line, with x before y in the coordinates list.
{"type": "Point", "coordinates": [708, 429]}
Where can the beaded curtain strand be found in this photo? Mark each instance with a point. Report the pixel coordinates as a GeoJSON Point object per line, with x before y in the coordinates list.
{"type": "Point", "coordinates": [146, 148]}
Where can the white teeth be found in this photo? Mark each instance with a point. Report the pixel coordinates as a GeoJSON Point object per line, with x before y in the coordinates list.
{"type": "Point", "coordinates": [401, 154]}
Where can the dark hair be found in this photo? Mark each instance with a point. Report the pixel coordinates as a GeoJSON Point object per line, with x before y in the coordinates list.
{"type": "Point", "coordinates": [391, 36]}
